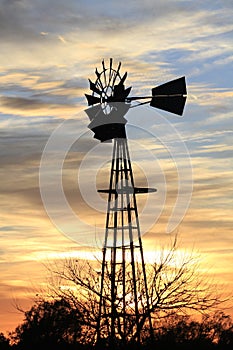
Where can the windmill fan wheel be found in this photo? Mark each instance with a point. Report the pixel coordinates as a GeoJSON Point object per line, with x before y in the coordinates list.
{"type": "Point", "coordinates": [108, 87]}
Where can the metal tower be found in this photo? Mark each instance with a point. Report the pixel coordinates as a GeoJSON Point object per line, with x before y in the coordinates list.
{"type": "Point", "coordinates": [124, 312]}
{"type": "Point", "coordinates": [127, 275]}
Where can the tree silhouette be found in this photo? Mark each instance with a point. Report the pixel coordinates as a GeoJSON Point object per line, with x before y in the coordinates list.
{"type": "Point", "coordinates": [174, 286]}
{"type": "Point", "coordinates": [182, 332]}
{"type": "Point", "coordinates": [48, 325]}
{"type": "Point", "coordinates": [4, 342]}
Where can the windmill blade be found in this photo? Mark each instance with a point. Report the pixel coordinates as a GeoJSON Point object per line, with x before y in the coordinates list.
{"type": "Point", "coordinates": [110, 75]}
{"type": "Point", "coordinates": [104, 71]}
{"type": "Point", "coordinates": [98, 79]}
{"type": "Point", "coordinates": [117, 72]}
{"type": "Point", "coordinates": [123, 79]}
{"type": "Point", "coordinates": [94, 88]}
{"type": "Point", "coordinates": [92, 100]}
{"type": "Point", "coordinates": [97, 73]}
{"type": "Point", "coordinates": [103, 65]}
{"type": "Point", "coordinates": [119, 67]}
{"type": "Point", "coordinates": [171, 103]}
{"type": "Point", "coordinates": [110, 63]}
{"type": "Point", "coordinates": [110, 71]}
{"type": "Point", "coordinates": [127, 91]}
{"type": "Point", "coordinates": [120, 93]}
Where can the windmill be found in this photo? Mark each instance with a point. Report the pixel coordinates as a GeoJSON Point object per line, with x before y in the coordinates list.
{"type": "Point", "coordinates": [124, 305]}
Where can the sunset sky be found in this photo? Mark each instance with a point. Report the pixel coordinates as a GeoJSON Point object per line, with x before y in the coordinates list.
{"type": "Point", "coordinates": [49, 49]}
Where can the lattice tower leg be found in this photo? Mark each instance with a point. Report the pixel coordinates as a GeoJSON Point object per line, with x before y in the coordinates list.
{"type": "Point", "coordinates": [124, 299]}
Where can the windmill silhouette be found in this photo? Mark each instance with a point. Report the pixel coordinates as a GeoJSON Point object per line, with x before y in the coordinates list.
{"type": "Point", "coordinates": [124, 304]}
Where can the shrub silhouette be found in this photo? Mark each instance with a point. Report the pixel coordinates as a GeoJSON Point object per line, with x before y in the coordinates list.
{"type": "Point", "coordinates": [4, 342]}
{"type": "Point", "coordinates": [48, 325]}
{"type": "Point", "coordinates": [57, 326]}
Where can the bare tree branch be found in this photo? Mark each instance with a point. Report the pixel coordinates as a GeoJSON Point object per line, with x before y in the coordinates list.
{"type": "Point", "coordinates": [174, 285]}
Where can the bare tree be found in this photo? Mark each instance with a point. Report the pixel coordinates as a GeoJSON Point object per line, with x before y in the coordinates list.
{"type": "Point", "coordinates": [175, 285]}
